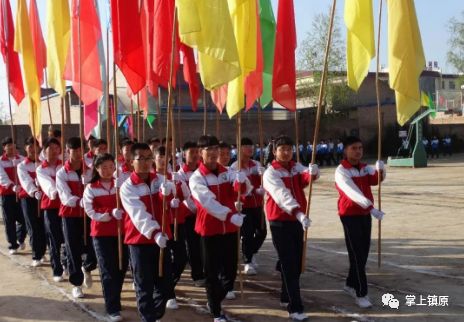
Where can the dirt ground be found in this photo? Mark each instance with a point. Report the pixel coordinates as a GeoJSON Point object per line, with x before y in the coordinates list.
{"type": "Point", "coordinates": [422, 256]}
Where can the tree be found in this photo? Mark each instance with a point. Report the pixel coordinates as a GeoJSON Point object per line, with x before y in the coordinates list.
{"type": "Point", "coordinates": [311, 58]}
{"type": "Point", "coordinates": [456, 43]}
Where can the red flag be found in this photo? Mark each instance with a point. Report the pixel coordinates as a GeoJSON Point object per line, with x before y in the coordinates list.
{"type": "Point", "coordinates": [162, 42]}
{"type": "Point", "coordinates": [40, 50]}
{"type": "Point", "coordinates": [146, 21]}
{"type": "Point", "coordinates": [90, 118]}
{"type": "Point", "coordinates": [83, 52]}
{"type": "Point", "coordinates": [284, 79]}
{"type": "Point", "coordinates": [219, 97]}
{"type": "Point", "coordinates": [190, 74]}
{"type": "Point", "coordinates": [254, 80]}
{"type": "Point", "coordinates": [10, 57]}
{"type": "Point", "coordinates": [127, 42]}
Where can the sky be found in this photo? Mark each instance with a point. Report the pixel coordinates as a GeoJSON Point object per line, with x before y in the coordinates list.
{"type": "Point", "coordinates": [432, 15]}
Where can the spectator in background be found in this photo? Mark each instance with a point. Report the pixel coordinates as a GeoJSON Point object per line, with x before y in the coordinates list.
{"type": "Point", "coordinates": [426, 144]}
{"type": "Point", "coordinates": [224, 154]}
{"type": "Point", "coordinates": [447, 146]}
{"type": "Point", "coordinates": [435, 145]}
{"type": "Point", "coordinates": [339, 150]}
{"type": "Point", "coordinates": [331, 151]}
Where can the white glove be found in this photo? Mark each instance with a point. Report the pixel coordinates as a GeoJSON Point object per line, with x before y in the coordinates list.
{"type": "Point", "coordinates": [240, 177]}
{"type": "Point", "coordinates": [379, 165]}
{"type": "Point", "coordinates": [38, 195]}
{"type": "Point", "coordinates": [261, 170]}
{"type": "Point", "coordinates": [167, 188]}
{"type": "Point", "coordinates": [161, 239]}
{"type": "Point", "coordinates": [238, 206]}
{"type": "Point", "coordinates": [377, 214]}
{"type": "Point", "coordinates": [83, 181]}
{"type": "Point", "coordinates": [237, 219]}
{"type": "Point", "coordinates": [73, 202]}
{"type": "Point", "coordinates": [260, 191]}
{"type": "Point", "coordinates": [174, 203]}
{"type": "Point", "coordinates": [175, 176]}
{"type": "Point", "coordinates": [54, 195]}
{"type": "Point", "coordinates": [105, 217]}
{"type": "Point", "coordinates": [313, 170]}
{"type": "Point", "coordinates": [117, 213]}
{"type": "Point", "coordinates": [370, 170]}
{"type": "Point", "coordinates": [304, 220]}
{"type": "Point", "coordinates": [17, 188]}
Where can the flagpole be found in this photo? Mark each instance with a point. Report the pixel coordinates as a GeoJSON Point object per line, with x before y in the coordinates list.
{"type": "Point", "coordinates": [238, 203]}
{"type": "Point", "coordinates": [297, 135]}
{"type": "Point", "coordinates": [132, 117]}
{"type": "Point", "coordinates": [317, 125]}
{"type": "Point", "coordinates": [138, 117]}
{"type": "Point", "coordinates": [48, 104]}
{"type": "Point", "coordinates": [107, 97]}
{"type": "Point", "coordinates": [261, 154]}
{"type": "Point", "coordinates": [204, 111]}
{"type": "Point", "coordinates": [81, 111]}
{"type": "Point", "coordinates": [62, 124]}
{"type": "Point", "coordinates": [158, 110]}
{"type": "Point", "coordinates": [169, 111]}
{"type": "Point", "coordinates": [379, 142]}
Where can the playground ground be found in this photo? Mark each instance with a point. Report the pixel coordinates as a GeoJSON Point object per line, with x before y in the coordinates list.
{"type": "Point", "coordinates": [422, 256]}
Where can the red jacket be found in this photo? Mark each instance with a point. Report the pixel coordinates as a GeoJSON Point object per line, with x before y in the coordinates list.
{"type": "Point", "coordinates": [71, 189]}
{"type": "Point", "coordinates": [285, 190]}
{"type": "Point", "coordinates": [8, 174]}
{"type": "Point", "coordinates": [251, 200]}
{"type": "Point", "coordinates": [46, 176]}
{"type": "Point", "coordinates": [99, 203]}
{"type": "Point", "coordinates": [354, 188]}
{"type": "Point", "coordinates": [214, 195]}
{"type": "Point", "coordinates": [27, 178]}
{"type": "Point", "coordinates": [143, 207]}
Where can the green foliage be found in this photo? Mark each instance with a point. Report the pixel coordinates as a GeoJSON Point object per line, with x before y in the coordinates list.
{"type": "Point", "coordinates": [456, 44]}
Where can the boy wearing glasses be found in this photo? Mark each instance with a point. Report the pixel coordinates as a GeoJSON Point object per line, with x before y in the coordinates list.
{"type": "Point", "coordinates": [143, 233]}
{"type": "Point", "coordinates": [214, 190]}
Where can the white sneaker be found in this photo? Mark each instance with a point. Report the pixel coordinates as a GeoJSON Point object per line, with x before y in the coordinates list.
{"type": "Point", "coordinates": [77, 292]}
{"type": "Point", "coordinates": [249, 269]}
{"type": "Point", "coordinates": [298, 316]}
{"type": "Point", "coordinates": [22, 246]}
{"type": "Point", "coordinates": [350, 291]}
{"type": "Point", "coordinates": [13, 251]}
{"type": "Point", "coordinates": [230, 295]}
{"type": "Point", "coordinates": [363, 302]}
{"type": "Point", "coordinates": [115, 317]}
{"type": "Point", "coordinates": [36, 263]}
{"type": "Point", "coordinates": [57, 279]}
{"type": "Point", "coordinates": [222, 318]}
{"type": "Point", "coordinates": [172, 304]}
{"type": "Point", "coordinates": [88, 281]}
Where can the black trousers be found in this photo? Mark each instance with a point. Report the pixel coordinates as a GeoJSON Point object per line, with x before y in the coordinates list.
{"type": "Point", "coordinates": [151, 289]}
{"type": "Point", "coordinates": [178, 252]}
{"type": "Point", "coordinates": [35, 227]}
{"type": "Point", "coordinates": [54, 231]}
{"type": "Point", "coordinates": [220, 264]}
{"type": "Point", "coordinates": [358, 240]}
{"type": "Point", "coordinates": [112, 278]}
{"type": "Point", "coordinates": [253, 232]}
{"type": "Point", "coordinates": [15, 227]}
{"type": "Point", "coordinates": [287, 237]}
{"type": "Point", "coordinates": [192, 239]}
{"type": "Point", "coordinates": [79, 255]}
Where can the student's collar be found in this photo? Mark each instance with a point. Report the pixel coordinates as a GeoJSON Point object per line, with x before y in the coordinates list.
{"type": "Point", "coordinates": [205, 171]}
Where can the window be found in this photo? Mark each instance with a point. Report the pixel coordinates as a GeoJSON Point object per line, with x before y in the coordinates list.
{"type": "Point", "coordinates": [452, 85]}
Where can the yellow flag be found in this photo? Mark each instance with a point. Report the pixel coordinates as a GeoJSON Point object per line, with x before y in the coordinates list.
{"type": "Point", "coordinates": [206, 25]}
{"type": "Point", "coordinates": [405, 56]}
{"type": "Point", "coordinates": [58, 35]}
{"type": "Point", "coordinates": [424, 99]}
{"type": "Point", "coordinates": [243, 15]}
{"type": "Point", "coordinates": [23, 45]}
{"type": "Point", "coordinates": [360, 44]}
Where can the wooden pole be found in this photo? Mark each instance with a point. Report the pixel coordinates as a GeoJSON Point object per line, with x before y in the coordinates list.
{"type": "Point", "coordinates": [204, 111]}
{"type": "Point", "coordinates": [379, 142]}
{"type": "Point", "coordinates": [159, 121]}
{"type": "Point", "coordinates": [62, 127]}
{"type": "Point", "coordinates": [48, 104]}
{"type": "Point", "coordinates": [169, 112]}
{"type": "Point", "coordinates": [261, 152]}
{"type": "Point", "coordinates": [133, 119]}
{"type": "Point", "coordinates": [107, 98]}
{"type": "Point", "coordinates": [139, 137]}
{"type": "Point", "coordinates": [239, 167]}
{"type": "Point", "coordinates": [318, 121]}
{"type": "Point", "coordinates": [297, 136]}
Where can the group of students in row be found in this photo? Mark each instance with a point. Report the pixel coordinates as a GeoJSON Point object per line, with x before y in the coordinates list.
{"type": "Point", "coordinates": [190, 215]}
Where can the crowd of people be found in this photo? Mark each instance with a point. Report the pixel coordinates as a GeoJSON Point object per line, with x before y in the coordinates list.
{"type": "Point", "coordinates": [433, 146]}
{"type": "Point", "coordinates": [177, 209]}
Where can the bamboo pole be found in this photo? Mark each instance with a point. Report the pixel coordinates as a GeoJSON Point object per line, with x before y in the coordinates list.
{"type": "Point", "coordinates": [204, 111]}
{"type": "Point", "coordinates": [62, 127]}
{"type": "Point", "coordinates": [159, 121]}
{"type": "Point", "coordinates": [138, 118]}
{"type": "Point", "coordinates": [171, 71]}
{"type": "Point", "coordinates": [261, 152]}
{"type": "Point", "coordinates": [379, 142]}
{"type": "Point", "coordinates": [318, 120]}
{"type": "Point", "coordinates": [297, 136]}
{"type": "Point", "coordinates": [48, 104]}
{"type": "Point", "coordinates": [239, 167]}
{"type": "Point", "coordinates": [107, 98]}
{"type": "Point", "coordinates": [132, 116]}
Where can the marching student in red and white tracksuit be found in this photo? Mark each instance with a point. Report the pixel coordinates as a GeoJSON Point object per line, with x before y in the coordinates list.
{"type": "Point", "coordinates": [124, 162]}
{"type": "Point", "coordinates": [143, 233]}
{"type": "Point", "coordinates": [174, 199]}
{"type": "Point", "coordinates": [353, 180]}
{"type": "Point", "coordinates": [253, 230]}
{"type": "Point", "coordinates": [50, 204]}
{"type": "Point", "coordinates": [90, 155]}
{"type": "Point", "coordinates": [15, 226]}
{"type": "Point", "coordinates": [70, 180]}
{"type": "Point", "coordinates": [188, 210]}
{"type": "Point", "coordinates": [284, 181]}
{"type": "Point", "coordinates": [214, 190]}
{"type": "Point", "coordinates": [30, 196]}
{"type": "Point", "coordinates": [100, 205]}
